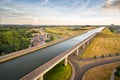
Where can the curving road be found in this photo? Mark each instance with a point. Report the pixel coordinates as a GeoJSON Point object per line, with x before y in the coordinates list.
{"type": "Point", "coordinates": [80, 70]}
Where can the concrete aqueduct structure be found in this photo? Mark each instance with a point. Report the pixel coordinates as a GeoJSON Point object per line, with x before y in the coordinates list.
{"type": "Point", "coordinates": [38, 73]}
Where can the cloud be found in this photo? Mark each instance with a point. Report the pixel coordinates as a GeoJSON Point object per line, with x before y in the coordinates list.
{"type": "Point", "coordinates": [111, 7]}
{"type": "Point", "coordinates": [68, 11]}
{"type": "Point", "coordinates": [108, 2]}
{"type": "Point", "coordinates": [117, 4]}
{"type": "Point", "coordinates": [11, 9]}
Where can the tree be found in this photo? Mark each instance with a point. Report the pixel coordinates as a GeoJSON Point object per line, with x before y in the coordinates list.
{"type": "Point", "coordinates": [95, 57]}
{"type": "Point", "coordinates": [109, 55]}
{"type": "Point", "coordinates": [12, 40]}
{"type": "Point", "coordinates": [102, 56]}
{"type": "Point", "coordinates": [117, 73]}
{"type": "Point", "coordinates": [116, 54]}
{"type": "Point", "coordinates": [24, 43]}
{"type": "Point", "coordinates": [118, 68]}
{"type": "Point", "coordinates": [53, 38]}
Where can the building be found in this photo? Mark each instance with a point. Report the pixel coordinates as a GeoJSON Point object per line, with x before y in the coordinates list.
{"type": "Point", "coordinates": [38, 39]}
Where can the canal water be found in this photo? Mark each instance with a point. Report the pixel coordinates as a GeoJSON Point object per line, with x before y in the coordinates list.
{"type": "Point", "coordinates": [17, 68]}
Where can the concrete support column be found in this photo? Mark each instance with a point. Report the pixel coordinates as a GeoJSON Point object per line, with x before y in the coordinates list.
{"type": "Point", "coordinates": [91, 39]}
{"type": "Point", "coordinates": [41, 77]}
{"type": "Point", "coordinates": [88, 42]}
{"type": "Point", "coordinates": [77, 51]}
{"type": "Point", "coordinates": [84, 46]}
{"type": "Point", "coordinates": [65, 61]}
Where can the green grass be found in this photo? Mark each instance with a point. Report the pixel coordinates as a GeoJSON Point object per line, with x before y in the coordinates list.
{"type": "Point", "coordinates": [59, 72]}
{"type": "Point", "coordinates": [105, 43]}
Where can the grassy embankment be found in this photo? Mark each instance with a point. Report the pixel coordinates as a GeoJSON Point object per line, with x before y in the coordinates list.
{"type": "Point", "coordinates": [59, 72]}
{"type": "Point", "coordinates": [101, 72]}
{"type": "Point", "coordinates": [105, 43]}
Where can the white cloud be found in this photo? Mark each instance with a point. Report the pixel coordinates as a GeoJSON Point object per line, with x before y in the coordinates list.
{"type": "Point", "coordinates": [54, 14]}
{"type": "Point", "coordinates": [109, 2]}
{"type": "Point", "coordinates": [111, 7]}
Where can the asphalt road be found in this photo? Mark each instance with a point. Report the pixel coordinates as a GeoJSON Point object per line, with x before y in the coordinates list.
{"type": "Point", "coordinates": [80, 70]}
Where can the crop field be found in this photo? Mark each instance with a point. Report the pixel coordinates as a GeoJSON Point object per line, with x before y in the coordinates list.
{"type": "Point", "coordinates": [67, 31]}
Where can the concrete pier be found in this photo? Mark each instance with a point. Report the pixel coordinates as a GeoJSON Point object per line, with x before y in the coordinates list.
{"type": "Point", "coordinates": [40, 78]}
{"type": "Point", "coordinates": [65, 61]}
{"type": "Point", "coordinates": [83, 46]}
{"type": "Point", "coordinates": [87, 42]}
{"type": "Point", "coordinates": [77, 51]}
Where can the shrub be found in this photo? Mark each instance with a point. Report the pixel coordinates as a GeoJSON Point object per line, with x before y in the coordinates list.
{"type": "Point", "coordinates": [118, 68]}
{"type": "Point", "coordinates": [102, 56]}
{"type": "Point", "coordinates": [48, 40]}
{"type": "Point", "coordinates": [80, 58]}
{"type": "Point", "coordinates": [116, 54]}
{"type": "Point", "coordinates": [109, 55]}
{"type": "Point", "coordinates": [2, 53]}
{"type": "Point", "coordinates": [117, 72]}
{"type": "Point", "coordinates": [53, 38]}
{"type": "Point", "coordinates": [95, 57]}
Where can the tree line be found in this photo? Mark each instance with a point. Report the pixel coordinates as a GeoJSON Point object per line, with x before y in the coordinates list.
{"type": "Point", "coordinates": [14, 39]}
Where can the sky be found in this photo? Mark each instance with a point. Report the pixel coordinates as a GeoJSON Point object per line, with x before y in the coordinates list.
{"type": "Point", "coordinates": [60, 12]}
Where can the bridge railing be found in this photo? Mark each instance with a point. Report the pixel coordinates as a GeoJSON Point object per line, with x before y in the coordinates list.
{"type": "Point", "coordinates": [40, 71]}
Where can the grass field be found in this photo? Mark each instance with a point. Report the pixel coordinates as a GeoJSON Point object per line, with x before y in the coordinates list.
{"type": "Point", "coordinates": [67, 31]}
{"type": "Point", "coordinates": [105, 43]}
{"type": "Point", "coordinates": [101, 72]}
{"type": "Point", "coordinates": [59, 72]}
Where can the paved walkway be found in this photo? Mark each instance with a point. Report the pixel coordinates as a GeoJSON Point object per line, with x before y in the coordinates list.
{"type": "Point", "coordinates": [112, 75]}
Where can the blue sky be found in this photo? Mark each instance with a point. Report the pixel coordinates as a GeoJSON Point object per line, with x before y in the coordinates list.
{"type": "Point", "coordinates": [60, 12]}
